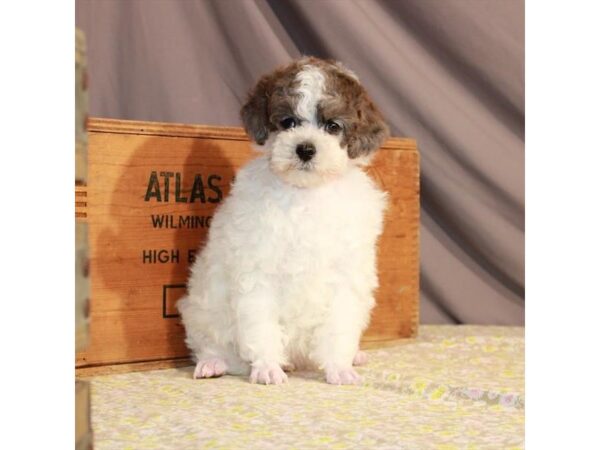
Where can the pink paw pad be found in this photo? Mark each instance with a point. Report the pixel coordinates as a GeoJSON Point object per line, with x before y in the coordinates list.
{"type": "Point", "coordinates": [268, 374]}
{"type": "Point", "coordinates": [360, 358]}
{"type": "Point", "coordinates": [208, 368]}
{"type": "Point", "coordinates": [342, 376]}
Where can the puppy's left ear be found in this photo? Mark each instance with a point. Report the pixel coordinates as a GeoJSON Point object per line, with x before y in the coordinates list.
{"type": "Point", "coordinates": [369, 132]}
{"type": "Point", "coordinates": [255, 114]}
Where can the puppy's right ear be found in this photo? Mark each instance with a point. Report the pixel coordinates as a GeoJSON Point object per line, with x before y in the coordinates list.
{"type": "Point", "coordinates": [255, 112]}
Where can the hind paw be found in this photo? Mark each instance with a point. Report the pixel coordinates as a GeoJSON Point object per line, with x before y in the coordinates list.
{"type": "Point", "coordinates": [360, 358]}
{"type": "Point", "coordinates": [339, 376]}
{"type": "Point", "coordinates": [209, 368]}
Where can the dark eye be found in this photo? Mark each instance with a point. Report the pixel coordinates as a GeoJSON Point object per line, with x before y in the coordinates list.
{"type": "Point", "coordinates": [332, 127]}
{"type": "Point", "coordinates": [288, 122]}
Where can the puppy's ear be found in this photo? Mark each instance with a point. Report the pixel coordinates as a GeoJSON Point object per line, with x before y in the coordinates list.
{"type": "Point", "coordinates": [369, 132]}
{"type": "Point", "coordinates": [255, 112]}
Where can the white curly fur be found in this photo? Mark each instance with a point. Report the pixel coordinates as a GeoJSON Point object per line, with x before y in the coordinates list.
{"type": "Point", "coordinates": [311, 84]}
{"type": "Point", "coordinates": [287, 275]}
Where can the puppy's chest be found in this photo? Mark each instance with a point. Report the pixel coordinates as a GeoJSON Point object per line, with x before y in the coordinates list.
{"type": "Point", "coordinates": [315, 224]}
{"type": "Point", "coordinates": [300, 234]}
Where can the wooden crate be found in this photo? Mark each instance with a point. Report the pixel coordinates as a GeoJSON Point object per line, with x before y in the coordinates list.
{"type": "Point", "coordinates": [152, 190]}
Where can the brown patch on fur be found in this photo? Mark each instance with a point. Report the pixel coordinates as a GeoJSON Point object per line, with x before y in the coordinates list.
{"type": "Point", "coordinates": [347, 100]}
{"type": "Point", "coordinates": [269, 101]}
{"type": "Point", "coordinates": [274, 97]}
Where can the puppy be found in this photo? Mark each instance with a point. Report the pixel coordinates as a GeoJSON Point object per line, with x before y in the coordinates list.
{"type": "Point", "coordinates": [287, 275]}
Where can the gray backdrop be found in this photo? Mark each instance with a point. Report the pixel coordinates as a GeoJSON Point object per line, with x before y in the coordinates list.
{"type": "Point", "coordinates": [449, 73]}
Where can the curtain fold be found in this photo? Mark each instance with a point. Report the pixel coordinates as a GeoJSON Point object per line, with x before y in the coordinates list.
{"type": "Point", "coordinates": [449, 74]}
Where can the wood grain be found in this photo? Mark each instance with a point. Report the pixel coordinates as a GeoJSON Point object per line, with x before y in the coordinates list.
{"type": "Point", "coordinates": [132, 301]}
{"type": "Point", "coordinates": [83, 417]}
{"type": "Point", "coordinates": [112, 369]}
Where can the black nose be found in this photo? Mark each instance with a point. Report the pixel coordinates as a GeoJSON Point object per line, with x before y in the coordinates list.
{"type": "Point", "coordinates": [305, 151]}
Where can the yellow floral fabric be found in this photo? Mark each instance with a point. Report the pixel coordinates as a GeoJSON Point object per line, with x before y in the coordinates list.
{"type": "Point", "coordinates": [454, 387]}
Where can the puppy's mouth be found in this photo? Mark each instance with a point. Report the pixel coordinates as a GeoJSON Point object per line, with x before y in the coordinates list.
{"type": "Point", "coordinates": [305, 166]}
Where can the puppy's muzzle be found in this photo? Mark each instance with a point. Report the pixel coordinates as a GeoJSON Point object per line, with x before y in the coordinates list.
{"type": "Point", "coordinates": [305, 151]}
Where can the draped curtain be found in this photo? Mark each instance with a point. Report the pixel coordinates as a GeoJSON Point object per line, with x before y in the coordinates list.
{"type": "Point", "coordinates": [449, 73]}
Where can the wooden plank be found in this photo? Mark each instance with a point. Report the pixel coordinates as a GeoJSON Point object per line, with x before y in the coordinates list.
{"type": "Point", "coordinates": [101, 125]}
{"type": "Point", "coordinates": [83, 419]}
{"type": "Point", "coordinates": [82, 289]}
{"type": "Point", "coordinates": [111, 369]}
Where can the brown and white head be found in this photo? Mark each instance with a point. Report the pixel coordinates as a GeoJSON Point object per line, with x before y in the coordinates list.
{"type": "Point", "coordinates": [314, 120]}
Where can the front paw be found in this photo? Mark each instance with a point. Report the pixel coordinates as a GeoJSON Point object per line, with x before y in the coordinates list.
{"type": "Point", "coordinates": [209, 368]}
{"type": "Point", "coordinates": [336, 375]}
{"type": "Point", "coordinates": [268, 374]}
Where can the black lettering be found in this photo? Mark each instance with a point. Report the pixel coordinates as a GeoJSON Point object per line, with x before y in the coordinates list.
{"type": "Point", "coordinates": [167, 175]}
{"type": "Point", "coordinates": [178, 197]}
{"type": "Point", "coordinates": [191, 255]}
{"type": "Point", "coordinates": [184, 221]}
{"type": "Point", "coordinates": [215, 188]}
{"type": "Point", "coordinates": [158, 221]}
{"type": "Point", "coordinates": [147, 257]}
{"type": "Point", "coordinates": [153, 188]}
{"type": "Point", "coordinates": [198, 190]}
{"type": "Point", "coordinates": [163, 256]}
{"type": "Point", "coordinates": [169, 221]}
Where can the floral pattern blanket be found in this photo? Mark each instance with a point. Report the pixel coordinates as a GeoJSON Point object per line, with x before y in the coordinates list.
{"type": "Point", "coordinates": [453, 387]}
